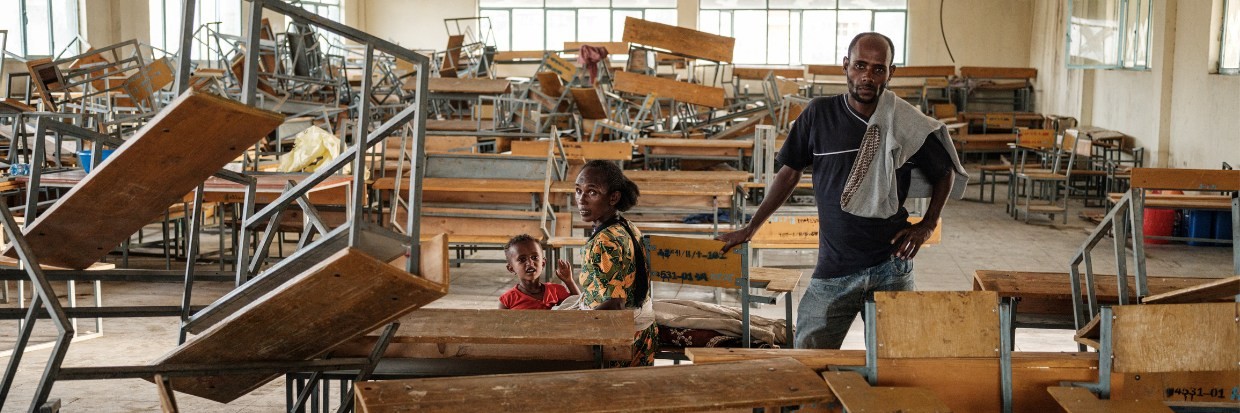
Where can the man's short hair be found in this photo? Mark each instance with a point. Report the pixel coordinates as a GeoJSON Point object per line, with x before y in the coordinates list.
{"type": "Point", "coordinates": [891, 47]}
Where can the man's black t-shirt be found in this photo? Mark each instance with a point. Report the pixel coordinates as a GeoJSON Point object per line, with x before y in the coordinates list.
{"type": "Point", "coordinates": [827, 136]}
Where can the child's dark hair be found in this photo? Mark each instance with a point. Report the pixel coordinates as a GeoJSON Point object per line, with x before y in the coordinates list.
{"type": "Point", "coordinates": [517, 240]}
{"type": "Point", "coordinates": [615, 180]}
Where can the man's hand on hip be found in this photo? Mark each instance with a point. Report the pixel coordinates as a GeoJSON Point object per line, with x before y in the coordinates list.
{"type": "Point", "coordinates": [908, 241]}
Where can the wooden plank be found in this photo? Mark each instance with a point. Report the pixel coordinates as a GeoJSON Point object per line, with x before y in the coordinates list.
{"type": "Point", "coordinates": [667, 88]}
{"type": "Point", "coordinates": [695, 143]}
{"type": "Point", "coordinates": [1176, 338]}
{"type": "Point", "coordinates": [817, 359]}
{"type": "Point", "coordinates": [516, 327]}
{"type": "Point", "coordinates": [196, 135]}
{"type": "Point", "coordinates": [613, 48]}
{"type": "Point", "coordinates": [446, 144]}
{"type": "Point", "coordinates": [1081, 400]}
{"type": "Point", "coordinates": [827, 70]}
{"type": "Point", "coordinates": [694, 261]}
{"type": "Point", "coordinates": [760, 73]}
{"type": "Point", "coordinates": [149, 80]}
{"type": "Point", "coordinates": [1050, 293]}
{"type": "Point", "coordinates": [640, 176]}
{"type": "Point", "coordinates": [14, 106]}
{"type": "Point", "coordinates": [924, 71]}
{"type": "Point", "coordinates": [1212, 291]}
{"type": "Point", "coordinates": [1186, 179]}
{"type": "Point", "coordinates": [345, 296]}
{"type": "Point", "coordinates": [937, 324]}
{"type": "Point", "coordinates": [458, 125]}
{"type": "Point", "coordinates": [498, 223]}
{"type": "Point", "coordinates": [472, 86]}
{"type": "Point", "coordinates": [577, 150]}
{"type": "Point", "coordinates": [564, 69]}
{"type": "Point", "coordinates": [361, 347]}
{"type": "Point", "coordinates": [1179, 201]}
{"type": "Point", "coordinates": [997, 72]}
{"type": "Point", "coordinates": [857, 396]}
{"type": "Point", "coordinates": [803, 229]}
{"type": "Point", "coordinates": [679, 40]}
{"type": "Point", "coordinates": [167, 399]}
{"type": "Point", "coordinates": [641, 389]}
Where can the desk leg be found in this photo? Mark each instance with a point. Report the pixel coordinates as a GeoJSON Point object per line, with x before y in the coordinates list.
{"type": "Point", "coordinates": [789, 343]}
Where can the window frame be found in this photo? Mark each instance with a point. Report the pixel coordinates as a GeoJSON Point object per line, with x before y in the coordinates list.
{"type": "Point", "coordinates": [1223, 56]}
{"type": "Point", "coordinates": [1121, 41]}
{"type": "Point", "coordinates": [797, 37]}
{"type": "Point", "coordinates": [613, 7]}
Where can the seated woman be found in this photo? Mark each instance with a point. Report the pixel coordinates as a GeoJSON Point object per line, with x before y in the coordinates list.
{"type": "Point", "coordinates": [614, 271]}
{"type": "Point", "coordinates": [525, 260]}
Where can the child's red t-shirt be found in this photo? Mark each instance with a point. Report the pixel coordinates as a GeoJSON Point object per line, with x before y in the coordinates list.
{"type": "Point", "coordinates": [553, 294]}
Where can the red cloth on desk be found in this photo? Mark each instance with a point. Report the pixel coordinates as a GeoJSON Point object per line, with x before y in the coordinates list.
{"type": "Point", "coordinates": [588, 57]}
{"type": "Point", "coordinates": [553, 294]}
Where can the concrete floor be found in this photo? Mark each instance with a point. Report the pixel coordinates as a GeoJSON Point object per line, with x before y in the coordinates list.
{"type": "Point", "coordinates": [975, 236]}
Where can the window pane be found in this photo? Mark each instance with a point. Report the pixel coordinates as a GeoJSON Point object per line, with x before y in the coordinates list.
{"type": "Point", "coordinates": [64, 26]}
{"type": "Point", "coordinates": [617, 22]}
{"type": "Point", "coordinates": [665, 16]}
{"type": "Point", "coordinates": [561, 27]}
{"type": "Point", "coordinates": [1136, 30]}
{"type": "Point", "coordinates": [851, 23]}
{"type": "Point", "coordinates": [527, 29]}
{"type": "Point", "coordinates": [892, 25]}
{"type": "Point", "coordinates": [708, 21]}
{"type": "Point", "coordinates": [593, 25]}
{"type": "Point", "coordinates": [802, 4]}
{"type": "Point", "coordinates": [500, 27]}
{"type": "Point", "coordinates": [10, 20]}
{"type": "Point", "coordinates": [1093, 33]}
{"type": "Point", "coordinates": [794, 31]}
{"type": "Point", "coordinates": [38, 37]}
{"type": "Point", "coordinates": [725, 24]}
{"type": "Point", "coordinates": [510, 3]}
{"type": "Point", "coordinates": [642, 4]}
{"type": "Point", "coordinates": [777, 37]}
{"type": "Point", "coordinates": [751, 36]}
{"type": "Point", "coordinates": [818, 38]}
{"type": "Point", "coordinates": [1230, 58]}
{"type": "Point", "coordinates": [733, 4]}
{"type": "Point", "coordinates": [873, 4]}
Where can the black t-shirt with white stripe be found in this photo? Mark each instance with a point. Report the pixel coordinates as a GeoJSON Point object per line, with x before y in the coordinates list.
{"type": "Point", "coordinates": [826, 136]}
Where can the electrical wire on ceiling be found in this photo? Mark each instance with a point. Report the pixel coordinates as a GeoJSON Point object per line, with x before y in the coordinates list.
{"type": "Point", "coordinates": [943, 32]}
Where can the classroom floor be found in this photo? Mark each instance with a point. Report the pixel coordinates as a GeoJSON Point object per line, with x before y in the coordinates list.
{"type": "Point", "coordinates": [975, 236]}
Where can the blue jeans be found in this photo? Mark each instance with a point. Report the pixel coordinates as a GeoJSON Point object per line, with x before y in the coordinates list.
{"type": "Point", "coordinates": [830, 305]}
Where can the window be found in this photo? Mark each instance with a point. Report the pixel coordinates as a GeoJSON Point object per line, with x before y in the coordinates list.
{"type": "Point", "coordinates": [547, 24]}
{"type": "Point", "coordinates": [1229, 58]}
{"type": "Point", "coordinates": [39, 27]}
{"type": "Point", "coordinates": [795, 32]}
{"type": "Point", "coordinates": [214, 16]}
{"type": "Point", "coordinates": [1109, 34]}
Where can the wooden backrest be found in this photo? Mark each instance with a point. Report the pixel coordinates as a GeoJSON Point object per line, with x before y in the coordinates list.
{"type": "Point", "coordinates": [944, 110]}
{"type": "Point", "coordinates": [148, 80]}
{"type": "Point", "coordinates": [486, 166]}
{"type": "Point", "coordinates": [1165, 338]}
{"type": "Point", "coordinates": [562, 67]}
{"type": "Point", "coordinates": [588, 103]}
{"type": "Point", "coordinates": [922, 324]}
{"type": "Point", "coordinates": [611, 47]}
{"type": "Point", "coordinates": [924, 71]}
{"type": "Point", "coordinates": [679, 40]}
{"type": "Point", "coordinates": [759, 73]}
{"type": "Point", "coordinates": [826, 70]}
{"type": "Point", "coordinates": [696, 261]}
{"type": "Point", "coordinates": [999, 121]}
{"type": "Point", "coordinates": [452, 54]}
{"type": "Point", "coordinates": [579, 151]}
{"type": "Point", "coordinates": [549, 84]}
{"type": "Point", "coordinates": [998, 72]}
{"type": "Point", "coordinates": [450, 143]}
{"type": "Point", "coordinates": [1037, 138]}
{"type": "Point", "coordinates": [1186, 179]}
{"type": "Point", "coordinates": [803, 229]}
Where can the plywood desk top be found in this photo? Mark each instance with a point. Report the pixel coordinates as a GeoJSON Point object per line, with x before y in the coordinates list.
{"type": "Point", "coordinates": [696, 143]}
{"type": "Point", "coordinates": [332, 191]}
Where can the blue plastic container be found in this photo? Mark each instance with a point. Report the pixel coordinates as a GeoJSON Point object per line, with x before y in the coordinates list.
{"type": "Point", "coordinates": [1199, 224]}
{"type": "Point", "coordinates": [84, 158]}
{"type": "Point", "coordinates": [1222, 226]}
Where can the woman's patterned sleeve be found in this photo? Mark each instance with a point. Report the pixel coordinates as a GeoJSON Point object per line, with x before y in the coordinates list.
{"type": "Point", "coordinates": [609, 269]}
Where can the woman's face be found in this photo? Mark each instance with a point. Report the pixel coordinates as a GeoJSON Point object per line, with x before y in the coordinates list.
{"type": "Point", "coordinates": [594, 202]}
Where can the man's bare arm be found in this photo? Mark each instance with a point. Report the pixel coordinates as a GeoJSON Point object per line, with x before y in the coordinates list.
{"type": "Point", "coordinates": [776, 194]}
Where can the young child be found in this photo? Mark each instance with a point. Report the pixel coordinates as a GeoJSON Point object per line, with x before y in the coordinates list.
{"type": "Point", "coordinates": [525, 260]}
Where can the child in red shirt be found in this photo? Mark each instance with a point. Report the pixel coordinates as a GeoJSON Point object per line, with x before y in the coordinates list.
{"type": "Point", "coordinates": [525, 260]}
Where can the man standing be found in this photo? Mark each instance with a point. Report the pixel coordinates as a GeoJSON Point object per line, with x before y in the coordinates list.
{"type": "Point", "coordinates": [862, 146]}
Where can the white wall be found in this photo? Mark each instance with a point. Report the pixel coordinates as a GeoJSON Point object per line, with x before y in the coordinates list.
{"type": "Point", "coordinates": [415, 24]}
{"type": "Point", "coordinates": [1205, 108]}
{"type": "Point", "coordinates": [979, 32]}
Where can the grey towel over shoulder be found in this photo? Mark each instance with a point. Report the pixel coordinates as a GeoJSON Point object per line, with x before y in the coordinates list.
{"type": "Point", "coordinates": [903, 129]}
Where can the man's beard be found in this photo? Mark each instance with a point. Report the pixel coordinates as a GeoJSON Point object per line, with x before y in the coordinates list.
{"type": "Point", "coordinates": [878, 91]}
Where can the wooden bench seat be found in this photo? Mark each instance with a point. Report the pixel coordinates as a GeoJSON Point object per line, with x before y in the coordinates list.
{"type": "Point", "coordinates": [1182, 201]}
{"type": "Point", "coordinates": [1081, 400]}
{"type": "Point", "coordinates": [757, 383]}
{"type": "Point", "coordinates": [1050, 294]}
{"type": "Point", "coordinates": [458, 125]}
